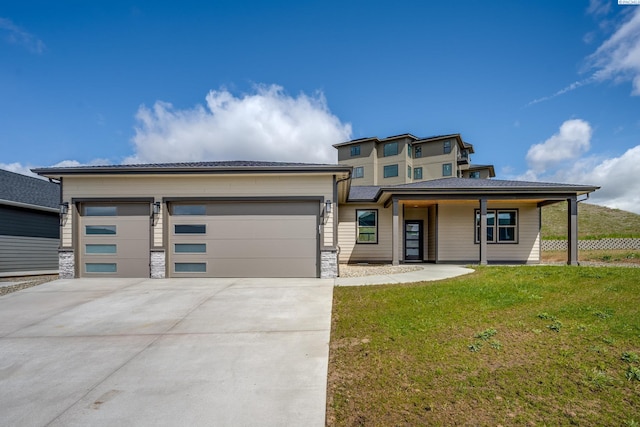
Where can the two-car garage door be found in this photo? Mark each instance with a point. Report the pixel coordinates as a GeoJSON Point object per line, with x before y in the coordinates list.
{"type": "Point", "coordinates": [243, 239]}
{"type": "Point", "coordinates": [202, 239]}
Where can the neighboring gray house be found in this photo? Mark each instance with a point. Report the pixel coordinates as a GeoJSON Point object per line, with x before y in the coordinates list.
{"type": "Point", "coordinates": [29, 225]}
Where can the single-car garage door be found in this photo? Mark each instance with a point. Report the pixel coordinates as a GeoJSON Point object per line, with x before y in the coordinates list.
{"type": "Point", "coordinates": [114, 239]}
{"type": "Point", "coordinates": [244, 239]}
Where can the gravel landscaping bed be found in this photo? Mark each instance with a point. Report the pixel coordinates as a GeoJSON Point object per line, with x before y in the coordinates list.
{"type": "Point", "coordinates": [21, 283]}
{"type": "Point", "coordinates": [361, 270]}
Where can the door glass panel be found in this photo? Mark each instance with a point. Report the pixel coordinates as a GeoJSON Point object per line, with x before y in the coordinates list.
{"type": "Point", "coordinates": [413, 235]}
{"type": "Point", "coordinates": [413, 252]}
{"type": "Point", "coordinates": [95, 267]}
{"type": "Point", "coordinates": [413, 243]}
{"type": "Point", "coordinates": [100, 229]}
{"type": "Point", "coordinates": [412, 227]}
{"type": "Point", "coordinates": [190, 267]}
{"type": "Point", "coordinates": [100, 249]}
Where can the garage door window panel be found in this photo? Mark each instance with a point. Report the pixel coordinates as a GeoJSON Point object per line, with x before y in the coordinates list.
{"type": "Point", "coordinates": [100, 210]}
{"type": "Point", "coordinates": [96, 230]}
{"type": "Point", "coordinates": [190, 248]}
{"type": "Point", "coordinates": [190, 229]}
{"type": "Point", "coordinates": [95, 267]}
{"type": "Point", "coordinates": [100, 249]}
{"type": "Point", "coordinates": [190, 267]}
{"type": "Point", "coordinates": [189, 210]}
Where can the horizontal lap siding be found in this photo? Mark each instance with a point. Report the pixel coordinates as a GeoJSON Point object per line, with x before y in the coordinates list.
{"type": "Point", "coordinates": [457, 227]}
{"type": "Point", "coordinates": [28, 253]}
{"type": "Point", "coordinates": [352, 252]}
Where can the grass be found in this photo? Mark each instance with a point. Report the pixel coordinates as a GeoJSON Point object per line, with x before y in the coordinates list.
{"type": "Point", "coordinates": [594, 222]}
{"type": "Point", "coordinates": [538, 345]}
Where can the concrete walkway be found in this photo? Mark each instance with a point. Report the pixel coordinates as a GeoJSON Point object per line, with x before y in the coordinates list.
{"type": "Point", "coordinates": [429, 272]}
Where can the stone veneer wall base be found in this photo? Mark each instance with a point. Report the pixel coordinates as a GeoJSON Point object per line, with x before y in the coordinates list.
{"type": "Point", "coordinates": [328, 264]}
{"type": "Point", "coordinates": [158, 260]}
{"type": "Point", "coordinates": [66, 264]}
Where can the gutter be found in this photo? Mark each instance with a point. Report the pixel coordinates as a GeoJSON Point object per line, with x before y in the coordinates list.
{"type": "Point", "coordinates": [28, 206]}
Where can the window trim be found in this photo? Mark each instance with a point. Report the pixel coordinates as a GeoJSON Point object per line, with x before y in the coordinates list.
{"type": "Point", "coordinates": [358, 242]}
{"type": "Point", "coordinates": [355, 172]}
{"type": "Point", "coordinates": [390, 144]}
{"type": "Point", "coordinates": [414, 172]}
{"type": "Point", "coordinates": [354, 151]}
{"type": "Point", "coordinates": [450, 169]}
{"type": "Point", "coordinates": [496, 233]}
{"type": "Point", "coordinates": [384, 171]}
{"type": "Point", "coordinates": [446, 147]}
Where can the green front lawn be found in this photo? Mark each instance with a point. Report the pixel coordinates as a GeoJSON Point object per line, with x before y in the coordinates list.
{"type": "Point", "coordinates": [503, 346]}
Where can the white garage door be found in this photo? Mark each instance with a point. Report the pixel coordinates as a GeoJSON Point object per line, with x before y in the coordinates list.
{"type": "Point", "coordinates": [114, 239]}
{"type": "Point", "coordinates": [244, 239]}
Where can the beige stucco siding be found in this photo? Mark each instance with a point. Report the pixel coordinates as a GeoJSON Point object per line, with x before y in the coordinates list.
{"type": "Point", "coordinates": [350, 251]}
{"type": "Point", "coordinates": [456, 228]}
{"type": "Point", "coordinates": [160, 186]}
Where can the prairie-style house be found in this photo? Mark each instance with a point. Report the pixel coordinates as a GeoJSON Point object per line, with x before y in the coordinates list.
{"type": "Point", "coordinates": [396, 200]}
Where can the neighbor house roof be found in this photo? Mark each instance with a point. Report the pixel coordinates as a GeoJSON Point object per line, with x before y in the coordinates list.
{"type": "Point", "coordinates": [466, 186]}
{"type": "Point", "coordinates": [26, 191]}
{"type": "Point", "coordinates": [415, 139]}
{"type": "Point", "coordinates": [492, 171]}
{"type": "Point", "coordinates": [195, 167]}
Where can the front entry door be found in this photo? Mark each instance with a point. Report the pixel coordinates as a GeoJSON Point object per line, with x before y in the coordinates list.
{"type": "Point", "coordinates": [413, 241]}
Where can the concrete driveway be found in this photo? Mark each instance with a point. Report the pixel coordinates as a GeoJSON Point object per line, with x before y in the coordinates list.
{"type": "Point", "coordinates": [144, 352]}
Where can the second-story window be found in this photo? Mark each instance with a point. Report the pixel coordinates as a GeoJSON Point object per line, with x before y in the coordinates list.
{"type": "Point", "coordinates": [418, 152]}
{"type": "Point", "coordinates": [474, 175]}
{"type": "Point", "coordinates": [390, 171]}
{"type": "Point", "coordinates": [417, 173]}
{"type": "Point", "coordinates": [358, 172]}
{"type": "Point", "coordinates": [391, 149]}
{"type": "Point", "coordinates": [408, 171]}
{"type": "Point", "coordinates": [409, 150]}
{"type": "Point", "coordinates": [447, 169]}
{"type": "Point", "coordinates": [355, 150]}
{"type": "Point", "coordinates": [447, 147]}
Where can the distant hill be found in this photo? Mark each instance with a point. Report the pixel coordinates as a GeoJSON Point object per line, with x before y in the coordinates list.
{"type": "Point", "coordinates": [594, 222]}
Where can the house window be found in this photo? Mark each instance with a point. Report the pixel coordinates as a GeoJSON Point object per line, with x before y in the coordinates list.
{"type": "Point", "coordinates": [390, 171]}
{"type": "Point", "coordinates": [409, 150]}
{"type": "Point", "coordinates": [446, 147]}
{"type": "Point", "coordinates": [408, 171]}
{"type": "Point", "coordinates": [355, 150]}
{"type": "Point", "coordinates": [391, 149]}
{"type": "Point", "coordinates": [474, 174]}
{"type": "Point", "coordinates": [367, 226]}
{"type": "Point", "coordinates": [502, 230]}
{"type": "Point", "coordinates": [417, 173]}
{"type": "Point", "coordinates": [418, 152]}
{"type": "Point", "coordinates": [358, 172]}
{"type": "Point", "coordinates": [447, 169]}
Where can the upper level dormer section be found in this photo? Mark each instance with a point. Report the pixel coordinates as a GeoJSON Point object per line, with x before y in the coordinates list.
{"type": "Point", "coordinates": [405, 158]}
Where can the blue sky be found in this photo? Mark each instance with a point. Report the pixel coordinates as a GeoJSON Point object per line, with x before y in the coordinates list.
{"type": "Point", "coordinates": [545, 90]}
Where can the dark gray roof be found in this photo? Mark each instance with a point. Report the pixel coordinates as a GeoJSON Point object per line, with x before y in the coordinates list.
{"type": "Point", "coordinates": [474, 166]}
{"type": "Point", "coordinates": [194, 167]}
{"type": "Point", "coordinates": [459, 185]}
{"type": "Point", "coordinates": [18, 188]}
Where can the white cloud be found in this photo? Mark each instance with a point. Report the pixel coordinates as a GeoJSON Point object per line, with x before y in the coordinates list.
{"type": "Point", "coordinates": [13, 34]}
{"type": "Point", "coordinates": [570, 142]}
{"type": "Point", "coordinates": [617, 59]}
{"type": "Point", "coordinates": [267, 124]}
{"type": "Point", "coordinates": [599, 7]}
{"type": "Point", "coordinates": [26, 169]}
{"type": "Point", "coordinates": [18, 168]}
{"type": "Point", "coordinates": [616, 175]}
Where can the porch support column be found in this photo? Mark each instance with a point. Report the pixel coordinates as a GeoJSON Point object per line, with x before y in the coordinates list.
{"type": "Point", "coordinates": [483, 231]}
{"type": "Point", "coordinates": [395, 235]}
{"type": "Point", "coordinates": [572, 231]}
